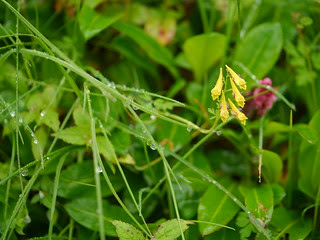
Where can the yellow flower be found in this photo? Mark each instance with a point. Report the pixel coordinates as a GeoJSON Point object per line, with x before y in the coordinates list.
{"type": "Point", "coordinates": [237, 95]}
{"type": "Point", "coordinates": [224, 113]}
{"type": "Point", "coordinates": [216, 91]}
{"type": "Point", "coordinates": [239, 115]}
{"type": "Point", "coordinates": [238, 80]}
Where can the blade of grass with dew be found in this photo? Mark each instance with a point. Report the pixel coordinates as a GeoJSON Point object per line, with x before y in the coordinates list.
{"type": "Point", "coordinates": [124, 178]}
{"type": "Point", "coordinates": [253, 219]}
{"type": "Point", "coordinates": [96, 167]}
{"type": "Point", "coordinates": [104, 88]}
{"type": "Point", "coordinates": [166, 167]}
{"type": "Point", "coordinates": [54, 194]}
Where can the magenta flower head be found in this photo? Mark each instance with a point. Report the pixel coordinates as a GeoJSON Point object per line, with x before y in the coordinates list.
{"type": "Point", "coordinates": [262, 98]}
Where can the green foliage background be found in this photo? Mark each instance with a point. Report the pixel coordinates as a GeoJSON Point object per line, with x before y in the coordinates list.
{"type": "Point", "coordinates": [106, 120]}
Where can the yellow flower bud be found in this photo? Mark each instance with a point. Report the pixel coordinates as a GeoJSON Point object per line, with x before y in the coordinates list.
{"type": "Point", "coordinates": [238, 80]}
{"type": "Point", "coordinates": [216, 91]}
{"type": "Point", "coordinates": [235, 111]}
{"type": "Point", "coordinates": [224, 113]}
{"type": "Point", "coordinates": [237, 95]}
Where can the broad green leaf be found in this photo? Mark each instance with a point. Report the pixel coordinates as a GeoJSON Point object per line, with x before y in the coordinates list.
{"type": "Point", "coordinates": [260, 49]}
{"type": "Point", "coordinates": [306, 132]}
{"type": "Point", "coordinates": [216, 207]}
{"type": "Point", "coordinates": [170, 230]}
{"type": "Point", "coordinates": [121, 141]}
{"type": "Point", "coordinates": [126, 231]}
{"type": "Point", "coordinates": [259, 201]}
{"type": "Point", "coordinates": [106, 148]}
{"type": "Point", "coordinates": [203, 51]}
{"type": "Point", "coordinates": [75, 135]}
{"type": "Point", "coordinates": [271, 166]}
{"type": "Point", "coordinates": [278, 193]}
{"type": "Point", "coordinates": [154, 50]}
{"type": "Point", "coordinates": [77, 181]}
{"type": "Point", "coordinates": [128, 48]}
{"type": "Point", "coordinates": [290, 222]}
{"type": "Point", "coordinates": [84, 211]}
{"type": "Point", "coordinates": [51, 119]}
{"type": "Point", "coordinates": [81, 117]}
{"type": "Point", "coordinates": [91, 22]}
{"type": "Point", "coordinates": [309, 162]}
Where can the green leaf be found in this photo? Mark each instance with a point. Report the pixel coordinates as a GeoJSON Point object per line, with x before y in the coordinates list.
{"type": "Point", "coordinates": [278, 193]}
{"type": "Point", "coordinates": [216, 207]}
{"type": "Point", "coordinates": [203, 51]}
{"type": "Point", "coordinates": [290, 222]}
{"type": "Point", "coordinates": [259, 201]}
{"type": "Point", "coordinates": [306, 132]}
{"type": "Point", "coordinates": [154, 50]}
{"type": "Point", "coordinates": [75, 135]}
{"type": "Point", "coordinates": [272, 166]}
{"type": "Point", "coordinates": [51, 119]}
{"type": "Point", "coordinates": [170, 230]}
{"type": "Point", "coordinates": [77, 181]}
{"type": "Point", "coordinates": [309, 162]}
{"type": "Point", "coordinates": [128, 48]}
{"type": "Point", "coordinates": [126, 231]}
{"type": "Point", "coordinates": [91, 22]}
{"type": "Point", "coordinates": [260, 49]}
{"type": "Point", "coordinates": [81, 117]}
{"type": "Point", "coordinates": [84, 211]}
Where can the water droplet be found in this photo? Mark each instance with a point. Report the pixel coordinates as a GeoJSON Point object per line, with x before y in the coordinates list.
{"type": "Point", "coordinates": [12, 113]}
{"type": "Point", "coordinates": [153, 117]}
{"type": "Point", "coordinates": [20, 120]}
{"type": "Point", "coordinates": [148, 142]}
{"type": "Point", "coordinates": [218, 133]}
{"type": "Point", "coordinates": [32, 134]}
{"type": "Point", "coordinates": [248, 212]}
{"type": "Point", "coordinates": [41, 194]}
{"type": "Point", "coordinates": [43, 113]}
{"type": "Point", "coordinates": [27, 219]}
{"type": "Point", "coordinates": [189, 129]}
{"type": "Point", "coordinates": [47, 158]}
{"type": "Point", "coordinates": [153, 146]}
{"type": "Point", "coordinates": [35, 141]}
{"type": "Point", "coordinates": [135, 107]}
{"type": "Point", "coordinates": [99, 170]}
{"type": "Point", "coordinates": [87, 91]}
{"type": "Point", "coordinates": [24, 173]}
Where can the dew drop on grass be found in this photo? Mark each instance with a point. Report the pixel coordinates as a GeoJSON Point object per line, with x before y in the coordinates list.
{"type": "Point", "coordinates": [153, 146]}
{"type": "Point", "coordinates": [218, 133]}
{"type": "Point", "coordinates": [20, 120]}
{"type": "Point", "coordinates": [99, 170]}
{"type": "Point", "coordinates": [24, 173]}
{"type": "Point", "coordinates": [189, 129]}
{"type": "Point", "coordinates": [41, 194]}
{"type": "Point", "coordinates": [153, 117]}
{"type": "Point", "coordinates": [32, 134]}
{"type": "Point", "coordinates": [135, 107]}
{"type": "Point", "coordinates": [35, 141]}
{"type": "Point", "coordinates": [12, 113]}
{"type": "Point", "coordinates": [42, 113]}
{"type": "Point", "coordinates": [27, 219]}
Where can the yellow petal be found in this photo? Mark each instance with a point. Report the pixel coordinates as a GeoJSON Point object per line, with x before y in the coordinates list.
{"type": "Point", "coordinates": [239, 115]}
{"type": "Point", "coordinates": [216, 91]}
{"type": "Point", "coordinates": [224, 113]}
{"type": "Point", "coordinates": [238, 80]}
{"type": "Point", "coordinates": [237, 95]}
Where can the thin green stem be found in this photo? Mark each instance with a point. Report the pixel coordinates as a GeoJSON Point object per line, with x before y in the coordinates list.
{"type": "Point", "coordinates": [96, 168]}
{"type": "Point", "coordinates": [54, 195]}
